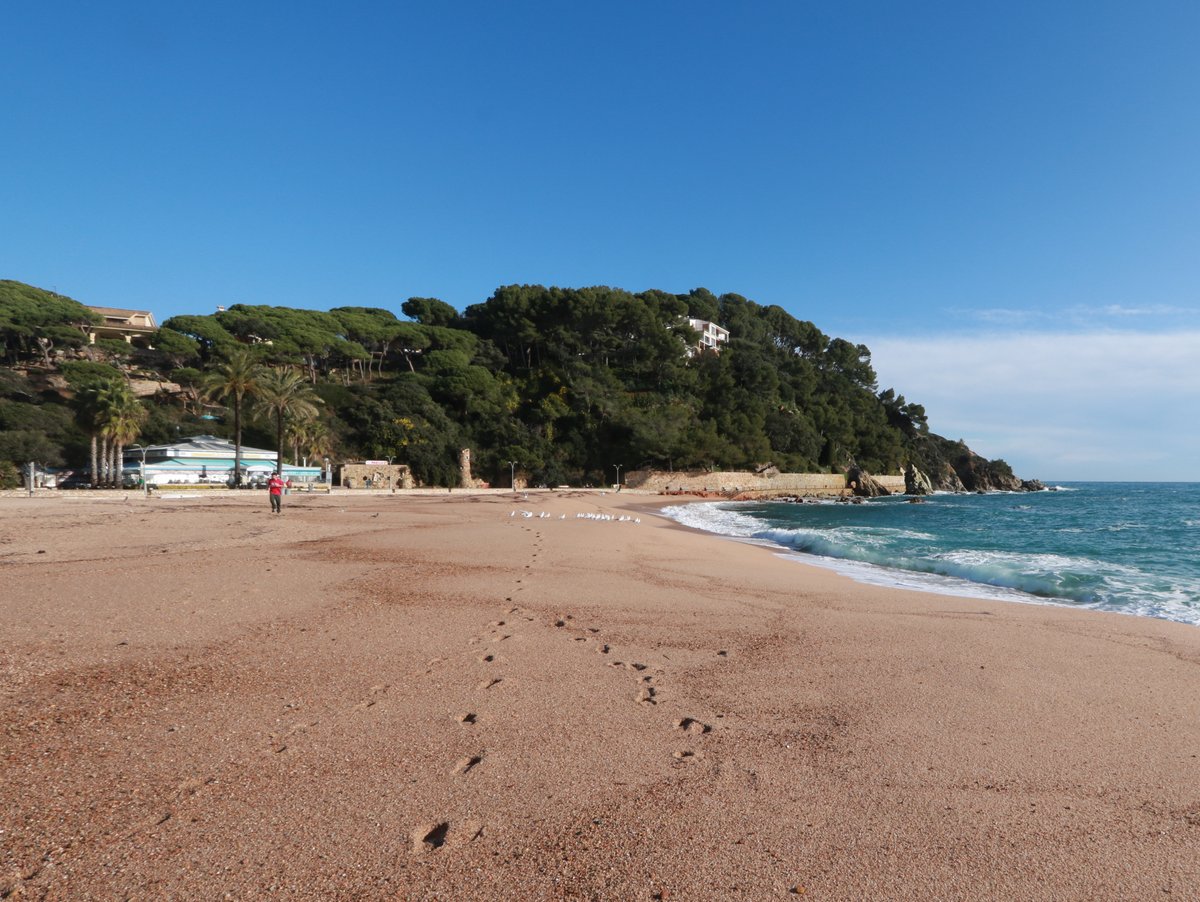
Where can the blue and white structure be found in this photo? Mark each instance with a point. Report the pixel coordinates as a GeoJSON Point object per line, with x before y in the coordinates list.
{"type": "Point", "coordinates": [206, 459]}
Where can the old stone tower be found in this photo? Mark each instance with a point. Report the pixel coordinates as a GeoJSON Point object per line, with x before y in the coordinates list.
{"type": "Point", "coordinates": [465, 480]}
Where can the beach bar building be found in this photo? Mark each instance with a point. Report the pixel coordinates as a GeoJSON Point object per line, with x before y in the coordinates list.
{"type": "Point", "coordinates": [207, 460]}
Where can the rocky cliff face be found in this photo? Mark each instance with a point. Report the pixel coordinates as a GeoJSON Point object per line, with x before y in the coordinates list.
{"type": "Point", "coordinates": [953, 467]}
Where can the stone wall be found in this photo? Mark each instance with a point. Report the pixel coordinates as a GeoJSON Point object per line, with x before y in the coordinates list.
{"type": "Point", "coordinates": [375, 476]}
{"type": "Point", "coordinates": [735, 481]}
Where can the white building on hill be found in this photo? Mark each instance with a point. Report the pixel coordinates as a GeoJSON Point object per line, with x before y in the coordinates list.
{"type": "Point", "coordinates": [131, 326]}
{"type": "Point", "coordinates": [712, 337]}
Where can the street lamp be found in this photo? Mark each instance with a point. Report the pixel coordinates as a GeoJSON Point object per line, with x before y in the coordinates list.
{"type": "Point", "coordinates": [512, 475]}
{"type": "Point", "coordinates": [328, 475]}
{"type": "Point", "coordinates": [618, 466]}
{"type": "Point", "coordinates": [142, 469]}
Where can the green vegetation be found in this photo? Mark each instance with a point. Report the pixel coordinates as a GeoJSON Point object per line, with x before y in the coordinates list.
{"type": "Point", "coordinates": [33, 322]}
{"type": "Point", "coordinates": [568, 382]}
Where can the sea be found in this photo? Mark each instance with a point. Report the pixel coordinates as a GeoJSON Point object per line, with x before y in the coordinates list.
{"type": "Point", "coordinates": [1128, 547]}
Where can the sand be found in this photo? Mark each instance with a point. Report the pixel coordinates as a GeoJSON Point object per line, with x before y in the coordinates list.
{"type": "Point", "coordinates": [423, 697]}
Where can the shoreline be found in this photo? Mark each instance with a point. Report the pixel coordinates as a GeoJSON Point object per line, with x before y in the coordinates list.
{"type": "Point", "coordinates": [393, 697]}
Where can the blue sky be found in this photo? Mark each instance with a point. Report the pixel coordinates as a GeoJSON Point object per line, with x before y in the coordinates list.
{"type": "Point", "coordinates": [998, 199]}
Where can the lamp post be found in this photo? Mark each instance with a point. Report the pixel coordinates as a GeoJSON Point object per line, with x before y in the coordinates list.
{"type": "Point", "coordinates": [142, 469]}
{"type": "Point", "coordinates": [618, 466]}
{"type": "Point", "coordinates": [512, 475]}
{"type": "Point", "coordinates": [328, 475]}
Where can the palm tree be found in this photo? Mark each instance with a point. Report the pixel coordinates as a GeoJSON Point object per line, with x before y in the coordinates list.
{"type": "Point", "coordinates": [309, 437]}
{"type": "Point", "coordinates": [114, 417]}
{"type": "Point", "coordinates": [87, 403]}
{"type": "Point", "coordinates": [283, 394]}
{"type": "Point", "coordinates": [231, 383]}
{"type": "Point", "coordinates": [124, 419]}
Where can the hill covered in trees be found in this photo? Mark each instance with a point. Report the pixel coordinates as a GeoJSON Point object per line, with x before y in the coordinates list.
{"type": "Point", "coordinates": [566, 382]}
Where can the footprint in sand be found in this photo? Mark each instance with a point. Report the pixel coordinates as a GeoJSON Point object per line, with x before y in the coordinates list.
{"type": "Point", "coordinates": [468, 718]}
{"type": "Point", "coordinates": [429, 837]}
{"type": "Point", "coordinates": [487, 659]}
{"type": "Point", "coordinates": [463, 765]}
{"type": "Point", "coordinates": [279, 741]}
{"type": "Point", "coordinates": [192, 786]}
{"type": "Point", "coordinates": [183, 792]}
{"type": "Point", "coordinates": [646, 695]}
{"type": "Point", "coordinates": [372, 697]}
{"type": "Point", "coordinates": [691, 725]}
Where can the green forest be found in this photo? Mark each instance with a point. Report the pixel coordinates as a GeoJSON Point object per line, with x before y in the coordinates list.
{"type": "Point", "coordinates": [564, 381]}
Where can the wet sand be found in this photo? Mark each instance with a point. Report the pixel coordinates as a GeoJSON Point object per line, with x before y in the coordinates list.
{"type": "Point", "coordinates": [423, 697]}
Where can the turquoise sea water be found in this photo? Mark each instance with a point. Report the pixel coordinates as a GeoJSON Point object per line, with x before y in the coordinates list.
{"type": "Point", "coordinates": [1127, 547]}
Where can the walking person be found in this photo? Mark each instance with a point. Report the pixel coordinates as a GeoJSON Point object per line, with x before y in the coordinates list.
{"type": "Point", "coordinates": [275, 489]}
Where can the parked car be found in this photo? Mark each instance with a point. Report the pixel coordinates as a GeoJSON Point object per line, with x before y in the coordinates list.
{"type": "Point", "coordinates": [76, 480]}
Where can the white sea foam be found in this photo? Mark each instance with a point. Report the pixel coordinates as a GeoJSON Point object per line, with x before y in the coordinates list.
{"type": "Point", "coordinates": [909, 559]}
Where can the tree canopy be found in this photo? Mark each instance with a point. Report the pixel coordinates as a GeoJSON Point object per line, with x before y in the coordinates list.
{"type": "Point", "coordinates": [33, 321]}
{"type": "Point", "coordinates": [566, 381]}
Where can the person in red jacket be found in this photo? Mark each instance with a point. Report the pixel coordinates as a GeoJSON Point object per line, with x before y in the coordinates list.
{"type": "Point", "coordinates": [275, 490]}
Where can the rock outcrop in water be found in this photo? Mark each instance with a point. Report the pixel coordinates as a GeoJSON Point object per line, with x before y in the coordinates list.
{"type": "Point", "coordinates": [916, 482]}
{"type": "Point", "coordinates": [863, 484]}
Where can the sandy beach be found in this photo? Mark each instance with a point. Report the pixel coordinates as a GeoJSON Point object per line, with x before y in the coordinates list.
{"type": "Point", "coordinates": [426, 697]}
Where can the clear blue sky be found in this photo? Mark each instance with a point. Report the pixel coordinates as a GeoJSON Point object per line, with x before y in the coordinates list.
{"type": "Point", "coordinates": [954, 184]}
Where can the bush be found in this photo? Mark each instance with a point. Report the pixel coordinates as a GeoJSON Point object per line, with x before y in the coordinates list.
{"type": "Point", "coordinates": [10, 475]}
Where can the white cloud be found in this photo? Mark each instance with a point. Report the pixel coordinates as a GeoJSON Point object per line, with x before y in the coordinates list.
{"type": "Point", "coordinates": [1153, 310]}
{"type": "Point", "coordinates": [1080, 317]}
{"type": "Point", "coordinates": [1084, 405]}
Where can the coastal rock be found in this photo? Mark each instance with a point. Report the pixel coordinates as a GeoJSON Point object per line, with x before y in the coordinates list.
{"type": "Point", "coordinates": [981, 475]}
{"type": "Point", "coordinates": [945, 479]}
{"type": "Point", "coordinates": [916, 482]}
{"type": "Point", "coordinates": [953, 467]}
{"type": "Point", "coordinates": [863, 484]}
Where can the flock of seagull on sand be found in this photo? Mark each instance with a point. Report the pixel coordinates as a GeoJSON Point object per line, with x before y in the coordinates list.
{"type": "Point", "coordinates": [591, 516]}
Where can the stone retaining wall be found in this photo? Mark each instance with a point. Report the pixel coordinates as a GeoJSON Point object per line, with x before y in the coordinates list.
{"type": "Point", "coordinates": [735, 481]}
{"type": "Point", "coordinates": [374, 476]}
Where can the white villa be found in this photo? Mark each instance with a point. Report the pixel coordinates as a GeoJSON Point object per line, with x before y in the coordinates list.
{"type": "Point", "coordinates": [206, 459]}
{"type": "Point", "coordinates": [132, 326]}
{"type": "Point", "coordinates": [712, 337]}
